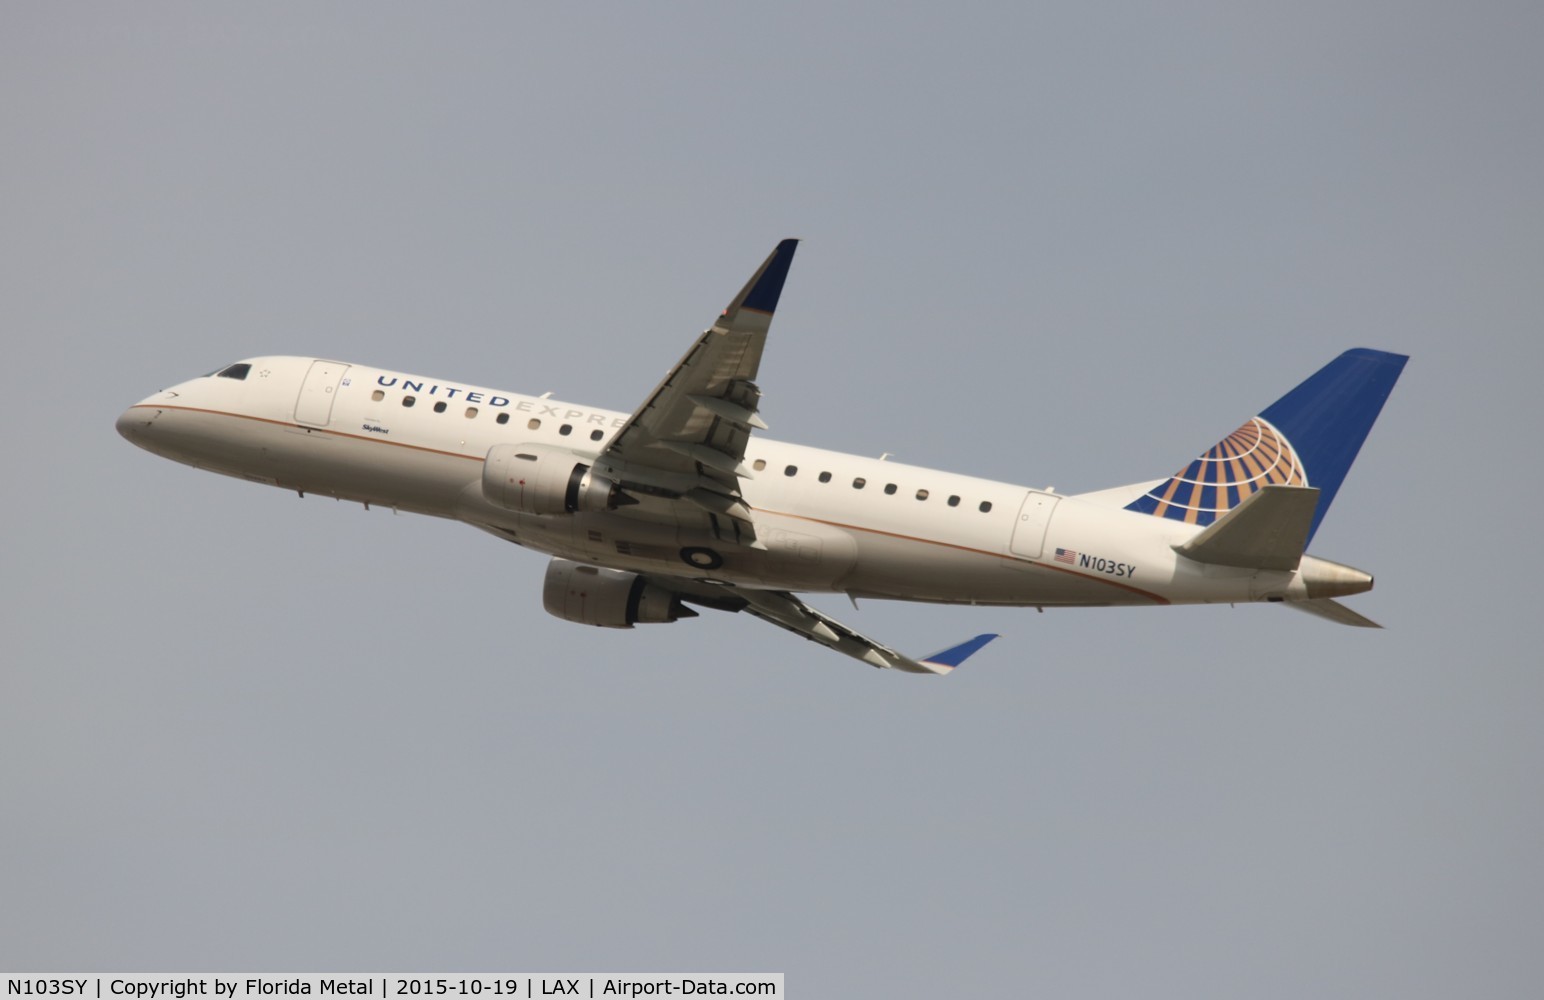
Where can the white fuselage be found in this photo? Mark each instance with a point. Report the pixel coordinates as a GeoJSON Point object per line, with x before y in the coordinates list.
{"type": "Point", "coordinates": [825, 521]}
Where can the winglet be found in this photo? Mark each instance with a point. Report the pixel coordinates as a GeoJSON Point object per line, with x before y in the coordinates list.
{"type": "Point", "coordinates": [945, 660]}
{"type": "Point", "coordinates": [766, 285]}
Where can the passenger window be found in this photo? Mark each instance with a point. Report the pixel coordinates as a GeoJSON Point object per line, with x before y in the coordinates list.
{"type": "Point", "coordinates": [502, 418]}
{"type": "Point", "coordinates": [534, 424]}
{"type": "Point", "coordinates": [439, 407]}
{"type": "Point", "coordinates": [566, 429]}
{"type": "Point", "coordinates": [408, 400]}
{"type": "Point", "coordinates": [792, 470]}
{"type": "Point", "coordinates": [825, 477]}
{"type": "Point", "coordinates": [596, 435]}
{"type": "Point", "coordinates": [471, 411]}
{"type": "Point", "coordinates": [859, 483]}
{"type": "Point", "coordinates": [890, 489]}
{"type": "Point", "coordinates": [954, 501]}
{"type": "Point", "coordinates": [922, 494]}
{"type": "Point", "coordinates": [377, 395]}
{"type": "Point", "coordinates": [237, 372]}
{"type": "Point", "coordinates": [986, 505]}
{"type": "Point", "coordinates": [759, 464]}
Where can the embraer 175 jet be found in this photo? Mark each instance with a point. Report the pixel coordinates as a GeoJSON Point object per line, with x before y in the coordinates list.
{"type": "Point", "coordinates": [684, 501]}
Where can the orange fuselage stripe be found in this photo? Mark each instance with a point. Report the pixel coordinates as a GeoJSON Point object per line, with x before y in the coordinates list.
{"type": "Point", "coordinates": [1156, 598]}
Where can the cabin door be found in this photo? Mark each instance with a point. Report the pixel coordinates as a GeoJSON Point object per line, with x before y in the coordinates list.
{"type": "Point", "coordinates": [1029, 531]}
{"type": "Point", "coordinates": [314, 406]}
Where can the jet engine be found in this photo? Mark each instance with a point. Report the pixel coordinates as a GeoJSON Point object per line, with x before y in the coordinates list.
{"type": "Point", "coordinates": [610, 598]}
{"type": "Point", "coordinates": [540, 479]}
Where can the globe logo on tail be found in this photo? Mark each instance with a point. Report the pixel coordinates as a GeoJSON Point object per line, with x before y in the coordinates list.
{"type": "Point", "coordinates": [1253, 456]}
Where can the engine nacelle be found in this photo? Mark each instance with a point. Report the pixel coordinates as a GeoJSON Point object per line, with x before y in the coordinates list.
{"type": "Point", "coordinates": [610, 598]}
{"type": "Point", "coordinates": [540, 479]}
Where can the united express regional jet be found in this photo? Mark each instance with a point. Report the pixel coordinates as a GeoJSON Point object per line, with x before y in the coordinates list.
{"type": "Point", "coordinates": [684, 502]}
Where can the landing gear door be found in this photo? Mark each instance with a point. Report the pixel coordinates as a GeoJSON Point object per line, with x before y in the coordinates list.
{"type": "Point", "coordinates": [1029, 531]}
{"type": "Point", "coordinates": [314, 405]}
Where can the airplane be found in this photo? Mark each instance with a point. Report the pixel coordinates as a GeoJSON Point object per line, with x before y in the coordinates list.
{"type": "Point", "coordinates": [684, 503]}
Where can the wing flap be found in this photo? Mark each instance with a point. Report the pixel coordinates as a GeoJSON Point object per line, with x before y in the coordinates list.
{"type": "Point", "coordinates": [730, 411]}
{"type": "Point", "coordinates": [718, 503]}
{"type": "Point", "coordinates": [711, 457]}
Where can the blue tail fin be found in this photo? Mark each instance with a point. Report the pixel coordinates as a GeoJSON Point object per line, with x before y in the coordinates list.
{"type": "Point", "coordinates": [1309, 437]}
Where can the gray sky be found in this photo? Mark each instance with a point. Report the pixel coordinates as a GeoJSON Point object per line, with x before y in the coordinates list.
{"type": "Point", "coordinates": [241, 731]}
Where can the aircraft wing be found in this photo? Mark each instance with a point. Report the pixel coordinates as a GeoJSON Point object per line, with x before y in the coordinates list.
{"type": "Point", "coordinates": [688, 438]}
{"type": "Point", "coordinates": [787, 611]}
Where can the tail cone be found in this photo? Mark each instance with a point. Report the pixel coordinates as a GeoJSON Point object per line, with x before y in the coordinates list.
{"type": "Point", "coordinates": [1329, 579]}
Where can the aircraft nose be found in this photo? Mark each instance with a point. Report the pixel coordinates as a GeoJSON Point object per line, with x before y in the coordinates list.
{"type": "Point", "coordinates": [133, 422]}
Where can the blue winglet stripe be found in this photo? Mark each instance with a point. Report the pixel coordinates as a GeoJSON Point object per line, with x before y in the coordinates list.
{"type": "Point", "coordinates": [769, 287]}
{"type": "Point", "coordinates": [956, 655]}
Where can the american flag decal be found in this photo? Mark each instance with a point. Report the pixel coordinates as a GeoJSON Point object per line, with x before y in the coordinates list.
{"type": "Point", "coordinates": [1067, 556]}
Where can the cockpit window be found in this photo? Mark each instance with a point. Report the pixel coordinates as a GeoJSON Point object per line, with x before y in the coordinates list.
{"type": "Point", "coordinates": [237, 372]}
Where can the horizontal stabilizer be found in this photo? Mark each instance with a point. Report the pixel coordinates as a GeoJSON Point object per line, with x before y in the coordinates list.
{"type": "Point", "coordinates": [1334, 611]}
{"type": "Point", "coordinates": [1269, 530]}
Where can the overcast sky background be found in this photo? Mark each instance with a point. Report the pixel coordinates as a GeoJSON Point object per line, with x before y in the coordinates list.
{"type": "Point", "coordinates": [243, 731]}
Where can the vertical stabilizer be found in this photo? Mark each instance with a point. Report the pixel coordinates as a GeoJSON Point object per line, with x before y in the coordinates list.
{"type": "Point", "coordinates": [1309, 437]}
